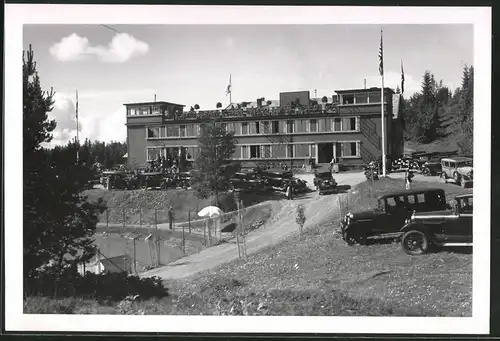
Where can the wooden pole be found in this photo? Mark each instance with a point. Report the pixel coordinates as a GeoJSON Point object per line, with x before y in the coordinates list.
{"type": "Point", "coordinates": [140, 216]}
{"type": "Point", "coordinates": [183, 240]}
{"type": "Point", "coordinates": [124, 218]}
{"type": "Point", "coordinates": [107, 217]}
{"type": "Point", "coordinates": [189, 221]}
{"type": "Point", "coordinates": [135, 260]}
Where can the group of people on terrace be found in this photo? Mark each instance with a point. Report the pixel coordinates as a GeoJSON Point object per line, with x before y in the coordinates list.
{"type": "Point", "coordinates": [241, 111]}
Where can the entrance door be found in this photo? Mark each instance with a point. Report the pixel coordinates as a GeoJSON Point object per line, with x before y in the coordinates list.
{"type": "Point", "coordinates": [325, 152]}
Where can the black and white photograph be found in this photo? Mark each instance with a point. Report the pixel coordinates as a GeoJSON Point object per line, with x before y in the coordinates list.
{"type": "Point", "coordinates": [295, 166]}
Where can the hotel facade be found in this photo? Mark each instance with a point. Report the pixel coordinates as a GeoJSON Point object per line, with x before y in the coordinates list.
{"type": "Point", "coordinates": [291, 131]}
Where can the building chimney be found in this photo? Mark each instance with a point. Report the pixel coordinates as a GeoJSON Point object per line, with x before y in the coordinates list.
{"type": "Point", "coordinates": [155, 98]}
{"type": "Point", "coordinates": [259, 102]}
{"type": "Point", "coordinates": [365, 83]}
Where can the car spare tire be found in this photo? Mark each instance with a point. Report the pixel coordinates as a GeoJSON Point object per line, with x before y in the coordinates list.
{"type": "Point", "coordinates": [415, 242]}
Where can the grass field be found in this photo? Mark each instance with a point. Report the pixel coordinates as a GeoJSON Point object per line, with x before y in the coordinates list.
{"type": "Point", "coordinates": [319, 274]}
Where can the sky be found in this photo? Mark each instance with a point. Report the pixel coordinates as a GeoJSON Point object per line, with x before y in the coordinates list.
{"type": "Point", "coordinates": [191, 64]}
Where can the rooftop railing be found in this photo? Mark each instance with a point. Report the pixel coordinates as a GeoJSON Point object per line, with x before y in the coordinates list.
{"type": "Point", "coordinates": [253, 112]}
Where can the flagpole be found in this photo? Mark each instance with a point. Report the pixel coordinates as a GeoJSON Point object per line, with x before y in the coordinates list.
{"type": "Point", "coordinates": [77, 137]}
{"type": "Point", "coordinates": [382, 102]}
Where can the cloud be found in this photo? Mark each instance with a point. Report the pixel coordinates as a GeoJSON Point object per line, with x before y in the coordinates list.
{"type": "Point", "coordinates": [122, 48]}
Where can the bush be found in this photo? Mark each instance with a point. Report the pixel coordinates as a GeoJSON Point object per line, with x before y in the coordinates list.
{"type": "Point", "coordinates": [113, 286]}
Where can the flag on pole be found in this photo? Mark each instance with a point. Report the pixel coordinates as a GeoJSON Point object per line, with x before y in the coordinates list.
{"type": "Point", "coordinates": [228, 90]}
{"type": "Point", "coordinates": [381, 54]}
{"type": "Point", "coordinates": [402, 78]}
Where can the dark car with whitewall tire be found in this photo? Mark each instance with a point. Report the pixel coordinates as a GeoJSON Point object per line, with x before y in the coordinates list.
{"type": "Point", "coordinates": [430, 168]}
{"type": "Point", "coordinates": [389, 216]}
{"type": "Point", "coordinates": [277, 178]}
{"type": "Point", "coordinates": [446, 228]}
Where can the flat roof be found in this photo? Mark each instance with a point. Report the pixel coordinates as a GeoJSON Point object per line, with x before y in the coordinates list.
{"type": "Point", "coordinates": [363, 90]}
{"type": "Point", "coordinates": [152, 103]}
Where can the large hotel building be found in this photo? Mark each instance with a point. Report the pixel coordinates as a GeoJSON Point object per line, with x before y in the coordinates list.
{"type": "Point", "coordinates": [291, 130]}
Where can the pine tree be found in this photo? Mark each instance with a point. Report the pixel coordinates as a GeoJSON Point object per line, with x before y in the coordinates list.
{"type": "Point", "coordinates": [212, 165]}
{"type": "Point", "coordinates": [58, 221]}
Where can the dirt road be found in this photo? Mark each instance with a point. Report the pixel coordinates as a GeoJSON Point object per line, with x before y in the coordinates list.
{"type": "Point", "coordinates": [279, 227]}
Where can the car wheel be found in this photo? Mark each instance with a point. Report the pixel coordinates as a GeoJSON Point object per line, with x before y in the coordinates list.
{"type": "Point", "coordinates": [456, 177]}
{"type": "Point", "coordinates": [462, 182]}
{"type": "Point", "coordinates": [415, 242]}
{"type": "Point", "coordinates": [350, 238]}
{"type": "Point", "coordinates": [426, 172]}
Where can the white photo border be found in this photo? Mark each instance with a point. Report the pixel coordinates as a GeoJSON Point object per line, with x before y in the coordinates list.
{"type": "Point", "coordinates": [16, 15]}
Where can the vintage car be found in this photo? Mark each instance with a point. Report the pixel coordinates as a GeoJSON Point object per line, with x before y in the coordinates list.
{"type": "Point", "coordinates": [444, 228]}
{"type": "Point", "coordinates": [432, 168]}
{"type": "Point", "coordinates": [299, 185]}
{"type": "Point", "coordinates": [153, 180]}
{"type": "Point", "coordinates": [390, 214]}
{"type": "Point", "coordinates": [114, 179]}
{"type": "Point", "coordinates": [183, 180]}
{"type": "Point", "coordinates": [325, 183]}
{"type": "Point", "coordinates": [248, 181]}
{"type": "Point", "coordinates": [458, 169]}
{"type": "Point", "coordinates": [276, 178]}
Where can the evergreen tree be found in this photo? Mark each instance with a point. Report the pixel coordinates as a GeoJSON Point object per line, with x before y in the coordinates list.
{"type": "Point", "coordinates": [58, 221]}
{"type": "Point", "coordinates": [213, 166]}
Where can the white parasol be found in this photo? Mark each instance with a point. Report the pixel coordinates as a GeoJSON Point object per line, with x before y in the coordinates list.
{"type": "Point", "coordinates": [211, 212]}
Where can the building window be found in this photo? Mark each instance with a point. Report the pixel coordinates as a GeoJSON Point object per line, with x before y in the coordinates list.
{"type": "Point", "coordinates": [144, 111]}
{"type": "Point", "coordinates": [374, 97]}
{"type": "Point", "coordinates": [224, 126]}
{"type": "Point", "coordinates": [153, 153]}
{"type": "Point", "coordinates": [252, 129]}
{"type": "Point", "coordinates": [347, 99]}
{"type": "Point", "coordinates": [244, 152]}
{"type": "Point", "coordinates": [231, 127]}
{"type": "Point", "coordinates": [265, 127]}
{"type": "Point", "coordinates": [172, 131]}
{"type": "Point", "coordinates": [290, 126]}
{"type": "Point", "coordinates": [190, 153]}
{"type": "Point", "coordinates": [244, 128]}
{"type": "Point", "coordinates": [266, 151]}
{"type": "Point", "coordinates": [302, 150]}
{"type": "Point", "coordinates": [346, 149]}
{"type": "Point", "coordinates": [182, 130]}
{"type": "Point", "coordinates": [154, 132]}
{"type": "Point", "coordinates": [255, 152]}
{"type": "Point", "coordinates": [290, 150]}
{"type": "Point", "coordinates": [257, 127]}
{"type": "Point", "coordinates": [349, 124]}
{"type": "Point", "coordinates": [337, 124]}
{"type": "Point", "coordinates": [278, 151]}
{"type": "Point", "coordinates": [191, 130]}
{"type": "Point", "coordinates": [276, 127]}
{"type": "Point", "coordinates": [361, 98]}
{"type": "Point", "coordinates": [325, 124]}
{"type": "Point", "coordinates": [313, 150]}
{"type": "Point", "coordinates": [301, 126]}
{"type": "Point", "coordinates": [156, 110]}
{"type": "Point", "coordinates": [313, 126]}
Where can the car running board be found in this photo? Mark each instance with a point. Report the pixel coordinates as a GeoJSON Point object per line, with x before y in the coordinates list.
{"type": "Point", "coordinates": [455, 244]}
{"type": "Point", "coordinates": [386, 235]}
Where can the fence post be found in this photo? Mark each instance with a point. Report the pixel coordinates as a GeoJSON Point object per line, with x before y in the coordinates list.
{"type": "Point", "coordinates": [107, 217]}
{"type": "Point", "coordinates": [140, 216]}
{"type": "Point", "coordinates": [124, 217]}
{"type": "Point", "coordinates": [183, 241]}
{"type": "Point", "coordinates": [189, 221]}
{"type": "Point", "coordinates": [156, 218]}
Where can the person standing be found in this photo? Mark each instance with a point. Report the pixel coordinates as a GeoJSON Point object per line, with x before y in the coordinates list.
{"type": "Point", "coordinates": [408, 179]}
{"type": "Point", "coordinates": [170, 217]}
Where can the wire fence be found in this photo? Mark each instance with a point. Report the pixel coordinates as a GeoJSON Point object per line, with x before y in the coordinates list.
{"type": "Point", "coordinates": [150, 238]}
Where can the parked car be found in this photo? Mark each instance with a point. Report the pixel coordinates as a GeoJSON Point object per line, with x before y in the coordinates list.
{"type": "Point", "coordinates": [248, 181]}
{"type": "Point", "coordinates": [276, 178]}
{"type": "Point", "coordinates": [151, 180]}
{"type": "Point", "coordinates": [452, 227]}
{"type": "Point", "coordinates": [184, 179]}
{"type": "Point", "coordinates": [459, 169]}
{"type": "Point", "coordinates": [325, 183]}
{"type": "Point", "coordinates": [114, 179]}
{"type": "Point", "coordinates": [393, 209]}
{"type": "Point", "coordinates": [299, 185]}
{"type": "Point", "coordinates": [432, 168]}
